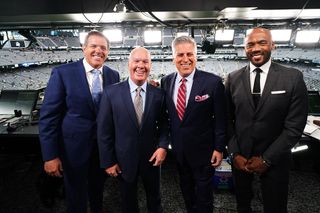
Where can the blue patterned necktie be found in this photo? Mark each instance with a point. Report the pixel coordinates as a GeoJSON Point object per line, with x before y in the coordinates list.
{"type": "Point", "coordinates": [96, 87]}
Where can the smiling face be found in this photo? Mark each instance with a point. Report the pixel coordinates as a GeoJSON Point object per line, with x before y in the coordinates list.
{"type": "Point", "coordinates": [185, 58]}
{"type": "Point", "coordinates": [139, 65]}
{"type": "Point", "coordinates": [258, 46]}
{"type": "Point", "coordinates": [96, 50]}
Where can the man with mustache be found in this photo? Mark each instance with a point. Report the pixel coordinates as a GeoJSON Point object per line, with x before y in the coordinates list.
{"type": "Point", "coordinates": [267, 108]}
{"type": "Point", "coordinates": [68, 130]}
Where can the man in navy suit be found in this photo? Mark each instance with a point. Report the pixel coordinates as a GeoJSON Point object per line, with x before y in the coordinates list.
{"type": "Point", "coordinates": [68, 130]}
{"type": "Point", "coordinates": [266, 119]}
{"type": "Point", "coordinates": [133, 133]}
{"type": "Point", "coordinates": [198, 126]}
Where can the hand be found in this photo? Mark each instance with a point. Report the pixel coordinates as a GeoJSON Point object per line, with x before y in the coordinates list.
{"type": "Point", "coordinates": [216, 158]}
{"type": "Point", "coordinates": [53, 167]}
{"type": "Point", "coordinates": [239, 162]}
{"type": "Point", "coordinates": [113, 171]}
{"type": "Point", "coordinates": [154, 83]}
{"type": "Point", "coordinates": [160, 154]}
{"type": "Point", "coordinates": [256, 164]}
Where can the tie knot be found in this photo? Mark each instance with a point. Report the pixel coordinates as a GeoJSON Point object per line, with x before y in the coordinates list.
{"type": "Point", "coordinates": [95, 71]}
{"type": "Point", "coordinates": [138, 90]}
{"type": "Point", "coordinates": [183, 80]}
{"type": "Point", "coordinates": [257, 70]}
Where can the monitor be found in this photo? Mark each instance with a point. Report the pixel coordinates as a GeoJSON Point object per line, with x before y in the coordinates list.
{"type": "Point", "coordinates": [314, 103]}
{"type": "Point", "coordinates": [24, 100]}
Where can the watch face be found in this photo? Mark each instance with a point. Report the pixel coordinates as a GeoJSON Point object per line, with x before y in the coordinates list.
{"type": "Point", "coordinates": [266, 163]}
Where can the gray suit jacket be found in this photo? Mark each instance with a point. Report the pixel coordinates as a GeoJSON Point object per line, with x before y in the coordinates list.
{"type": "Point", "coordinates": [276, 125]}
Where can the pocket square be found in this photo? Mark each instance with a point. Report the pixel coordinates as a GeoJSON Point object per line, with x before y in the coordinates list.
{"type": "Point", "coordinates": [278, 92]}
{"type": "Point", "coordinates": [199, 98]}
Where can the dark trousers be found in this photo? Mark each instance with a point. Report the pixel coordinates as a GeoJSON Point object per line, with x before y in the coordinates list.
{"type": "Point", "coordinates": [84, 183]}
{"type": "Point", "coordinates": [197, 187]}
{"type": "Point", "coordinates": [274, 188]}
{"type": "Point", "coordinates": [151, 181]}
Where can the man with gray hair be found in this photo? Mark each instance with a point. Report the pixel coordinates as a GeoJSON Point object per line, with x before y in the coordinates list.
{"type": "Point", "coordinates": [68, 130]}
{"type": "Point", "coordinates": [197, 111]}
{"type": "Point", "coordinates": [133, 134]}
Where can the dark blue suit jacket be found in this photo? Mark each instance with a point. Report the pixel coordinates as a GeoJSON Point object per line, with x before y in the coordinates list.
{"type": "Point", "coordinates": [68, 116]}
{"type": "Point", "coordinates": [203, 128]}
{"type": "Point", "coordinates": [120, 138]}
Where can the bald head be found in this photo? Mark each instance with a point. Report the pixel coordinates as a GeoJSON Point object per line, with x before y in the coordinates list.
{"type": "Point", "coordinates": [139, 65]}
{"type": "Point", "coordinates": [139, 49]}
{"type": "Point", "coordinates": [260, 30]}
{"type": "Point", "coordinates": [258, 46]}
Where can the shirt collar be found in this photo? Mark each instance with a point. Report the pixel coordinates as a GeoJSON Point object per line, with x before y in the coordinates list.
{"type": "Point", "coordinates": [89, 68]}
{"type": "Point", "coordinates": [133, 86]}
{"type": "Point", "coordinates": [188, 78]}
{"type": "Point", "coordinates": [264, 68]}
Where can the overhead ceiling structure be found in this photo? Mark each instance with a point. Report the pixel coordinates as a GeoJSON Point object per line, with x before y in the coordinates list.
{"type": "Point", "coordinates": [17, 14]}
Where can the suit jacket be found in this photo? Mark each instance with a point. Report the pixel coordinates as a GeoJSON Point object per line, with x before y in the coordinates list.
{"type": "Point", "coordinates": [120, 138]}
{"type": "Point", "coordinates": [276, 125]}
{"type": "Point", "coordinates": [203, 128]}
{"type": "Point", "coordinates": [68, 116]}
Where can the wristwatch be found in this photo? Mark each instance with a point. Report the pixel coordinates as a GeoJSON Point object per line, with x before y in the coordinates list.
{"type": "Point", "coordinates": [233, 155]}
{"type": "Point", "coordinates": [266, 162]}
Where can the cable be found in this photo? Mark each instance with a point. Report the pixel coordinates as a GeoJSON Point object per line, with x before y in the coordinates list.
{"type": "Point", "coordinates": [146, 5]}
{"type": "Point", "coordinates": [143, 13]}
{"type": "Point", "coordinates": [302, 9]}
{"type": "Point", "coordinates": [105, 7]}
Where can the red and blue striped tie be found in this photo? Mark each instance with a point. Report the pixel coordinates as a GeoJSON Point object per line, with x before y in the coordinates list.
{"type": "Point", "coordinates": [181, 100]}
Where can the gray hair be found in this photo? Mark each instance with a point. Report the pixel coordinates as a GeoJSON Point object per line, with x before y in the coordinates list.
{"type": "Point", "coordinates": [96, 33]}
{"type": "Point", "coordinates": [181, 40]}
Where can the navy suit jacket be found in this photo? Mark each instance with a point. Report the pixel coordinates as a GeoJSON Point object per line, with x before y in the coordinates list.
{"type": "Point", "coordinates": [67, 123]}
{"type": "Point", "coordinates": [276, 125]}
{"type": "Point", "coordinates": [203, 128]}
{"type": "Point", "coordinates": [120, 138]}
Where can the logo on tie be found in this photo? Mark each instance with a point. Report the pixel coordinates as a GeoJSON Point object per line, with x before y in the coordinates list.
{"type": "Point", "coordinates": [96, 87]}
{"type": "Point", "coordinates": [181, 100]}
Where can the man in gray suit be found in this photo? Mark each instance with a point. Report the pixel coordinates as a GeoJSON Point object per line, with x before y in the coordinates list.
{"type": "Point", "coordinates": [267, 105]}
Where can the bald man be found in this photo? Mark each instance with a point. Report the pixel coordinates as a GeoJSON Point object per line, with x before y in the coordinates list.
{"type": "Point", "coordinates": [267, 111]}
{"type": "Point", "coordinates": [133, 133]}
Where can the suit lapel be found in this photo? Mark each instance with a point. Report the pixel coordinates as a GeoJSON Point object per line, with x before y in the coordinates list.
{"type": "Point", "coordinates": [272, 78]}
{"type": "Point", "coordinates": [170, 90]}
{"type": "Point", "coordinates": [195, 89]}
{"type": "Point", "coordinates": [127, 101]}
{"type": "Point", "coordinates": [84, 84]}
{"type": "Point", "coordinates": [246, 83]}
{"type": "Point", "coordinates": [148, 102]}
{"type": "Point", "coordinates": [106, 77]}
{"type": "Point", "coordinates": [171, 85]}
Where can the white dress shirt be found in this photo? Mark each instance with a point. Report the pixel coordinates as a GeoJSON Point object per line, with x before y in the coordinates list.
{"type": "Point", "coordinates": [88, 68]}
{"type": "Point", "coordinates": [133, 91]}
{"type": "Point", "coordinates": [189, 83]}
{"type": "Point", "coordinates": [263, 75]}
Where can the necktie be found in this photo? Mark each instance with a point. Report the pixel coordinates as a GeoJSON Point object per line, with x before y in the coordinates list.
{"type": "Point", "coordinates": [256, 92]}
{"type": "Point", "coordinates": [96, 87]}
{"type": "Point", "coordinates": [138, 105]}
{"type": "Point", "coordinates": [181, 100]}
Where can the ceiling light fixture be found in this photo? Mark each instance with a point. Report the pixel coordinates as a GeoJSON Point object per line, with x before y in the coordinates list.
{"type": "Point", "coordinates": [120, 7]}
